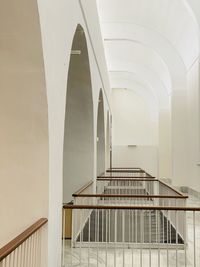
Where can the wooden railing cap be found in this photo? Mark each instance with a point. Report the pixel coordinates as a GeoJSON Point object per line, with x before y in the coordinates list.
{"type": "Point", "coordinates": [17, 241]}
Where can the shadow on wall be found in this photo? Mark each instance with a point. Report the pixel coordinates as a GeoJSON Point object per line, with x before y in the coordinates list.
{"type": "Point", "coordinates": [100, 136]}
{"type": "Point", "coordinates": [78, 161]}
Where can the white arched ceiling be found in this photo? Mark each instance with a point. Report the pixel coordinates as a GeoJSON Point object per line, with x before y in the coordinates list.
{"type": "Point", "coordinates": [137, 54]}
{"type": "Point", "coordinates": [141, 61]}
{"type": "Point", "coordinates": [169, 19]}
{"type": "Point", "coordinates": [157, 42]}
{"type": "Point", "coordinates": [166, 29]}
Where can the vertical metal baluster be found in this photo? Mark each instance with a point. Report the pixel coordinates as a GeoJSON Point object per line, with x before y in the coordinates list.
{"type": "Point", "coordinates": [33, 248]}
{"type": "Point", "coordinates": [176, 238]}
{"type": "Point", "coordinates": [149, 238]}
{"type": "Point", "coordinates": [123, 235]}
{"type": "Point", "coordinates": [194, 237]}
{"type": "Point", "coordinates": [40, 247]}
{"type": "Point", "coordinates": [106, 261]}
{"type": "Point", "coordinates": [102, 225]}
{"type": "Point", "coordinates": [167, 240]}
{"type": "Point", "coordinates": [136, 230]}
{"type": "Point", "coordinates": [63, 239]}
{"type": "Point", "coordinates": [29, 251]}
{"type": "Point", "coordinates": [26, 253]}
{"type": "Point", "coordinates": [36, 250]}
{"type": "Point", "coordinates": [163, 224]}
{"type": "Point", "coordinates": [185, 240]}
{"type": "Point", "coordinates": [170, 228]}
{"type": "Point", "coordinates": [89, 240]}
{"type": "Point", "coordinates": [158, 234]}
{"type": "Point", "coordinates": [98, 237]}
{"type": "Point", "coordinates": [80, 244]}
{"type": "Point", "coordinates": [19, 256]}
{"type": "Point", "coordinates": [132, 211]}
{"type": "Point", "coordinates": [141, 228]}
{"type": "Point", "coordinates": [115, 236]}
{"type": "Point", "coordinates": [7, 261]}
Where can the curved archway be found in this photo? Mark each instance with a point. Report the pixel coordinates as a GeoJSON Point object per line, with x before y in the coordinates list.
{"type": "Point", "coordinates": [100, 136]}
{"type": "Point", "coordinates": [78, 162]}
{"type": "Point", "coordinates": [24, 119]}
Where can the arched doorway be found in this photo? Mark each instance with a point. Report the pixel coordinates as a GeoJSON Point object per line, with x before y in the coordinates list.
{"type": "Point", "coordinates": [78, 154]}
{"type": "Point", "coordinates": [100, 136]}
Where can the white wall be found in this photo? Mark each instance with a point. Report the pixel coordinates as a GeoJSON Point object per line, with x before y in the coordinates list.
{"type": "Point", "coordinates": [193, 128]}
{"type": "Point", "coordinates": [24, 120]}
{"type": "Point", "coordinates": [134, 123]}
{"type": "Point", "coordinates": [145, 157]}
{"type": "Point", "coordinates": [29, 189]}
{"type": "Point", "coordinates": [58, 23]}
{"type": "Point", "coordinates": [164, 148]}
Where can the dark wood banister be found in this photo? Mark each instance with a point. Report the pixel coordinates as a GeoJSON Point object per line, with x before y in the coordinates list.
{"type": "Point", "coordinates": [125, 170]}
{"type": "Point", "coordinates": [128, 196]}
{"type": "Point", "coordinates": [124, 177]}
{"type": "Point", "coordinates": [176, 191]}
{"type": "Point", "coordinates": [84, 187]}
{"type": "Point", "coordinates": [141, 179]}
{"type": "Point", "coordinates": [98, 207]}
{"type": "Point", "coordinates": [118, 178]}
{"type": "Point", "coordinates": [16, 242]}
{"type": "Point", "coordinates": [128, 179]}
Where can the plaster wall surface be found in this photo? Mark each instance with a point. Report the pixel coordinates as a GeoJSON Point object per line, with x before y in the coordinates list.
{"type": "Point", "coordinates": [193, 128]}
{"type": "Point", "coordinates": [58, 23]}
{"type": "Point", "coordinates": [135, 132]}
{"type": "Point", "coordinates": [24, 120]}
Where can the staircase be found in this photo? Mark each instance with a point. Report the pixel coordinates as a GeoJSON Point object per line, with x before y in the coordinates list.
{"type": "Point", "coordinates": [130, 227]}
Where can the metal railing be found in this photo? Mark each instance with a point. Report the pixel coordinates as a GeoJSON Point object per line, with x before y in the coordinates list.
{"type": "Point", "coordinates": [26, 250]}
{"type": "Point", "coordinates": [133, 236]}
{"type": "Point", "coordinates": [132, 220]}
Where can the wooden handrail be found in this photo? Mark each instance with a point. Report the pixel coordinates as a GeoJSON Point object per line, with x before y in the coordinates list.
{"type": "Point", "coordinates": [90, 207]}
{"type": "Point", "coordinates": [127, 179]}
{"type": "Point", "coordinates": [124, 177]}
{"type": "Point", "coordinates": [176, 191]}
{"type": "Point", "coordinates": [16, 242]}
{"type": "Point", "coordinates": [134, 171]}
{"type": "Point", "coordinates": [84, 187]}
{"type": "Point", "coordinates": [129, 196]}
{"type": "Point", "coordinates": [124, 168]}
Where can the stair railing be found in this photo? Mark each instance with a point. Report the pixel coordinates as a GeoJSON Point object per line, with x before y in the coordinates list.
{"type": "Point", "coordinates": [26, 250]}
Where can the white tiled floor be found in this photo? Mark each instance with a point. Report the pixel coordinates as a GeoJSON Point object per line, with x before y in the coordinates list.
{"type": "Point", "coordinates": [141, 258]}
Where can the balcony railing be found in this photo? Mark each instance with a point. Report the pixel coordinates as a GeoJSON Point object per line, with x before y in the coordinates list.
{"type": "Point", "coordinates": [26, 250]}
{"type": "Point", "coordinates": [132, 236]}
{"type": "Point", "coordinates": [131, 222]}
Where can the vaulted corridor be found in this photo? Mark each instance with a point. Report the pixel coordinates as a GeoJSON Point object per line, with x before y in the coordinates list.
{"type": "Point", "coordinates": [100, 133]}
